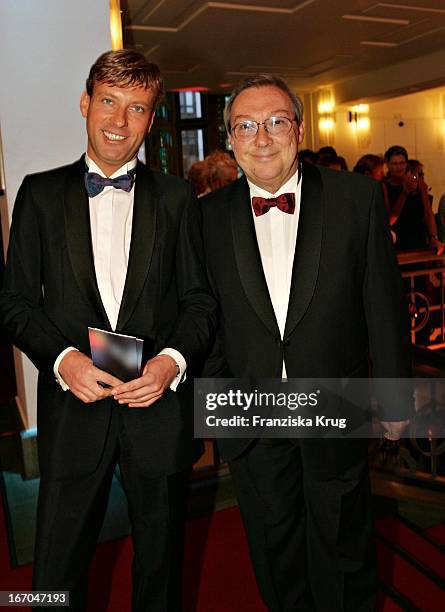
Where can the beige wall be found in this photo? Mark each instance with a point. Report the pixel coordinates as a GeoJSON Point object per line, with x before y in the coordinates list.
{"type": "Point", "coordinates": [422, 133]}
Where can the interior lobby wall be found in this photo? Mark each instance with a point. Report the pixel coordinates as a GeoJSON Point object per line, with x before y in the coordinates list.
{"type": "Point", "coordinates": [46, 49]}
{"type": "Point", "coordinates": [415, 121]}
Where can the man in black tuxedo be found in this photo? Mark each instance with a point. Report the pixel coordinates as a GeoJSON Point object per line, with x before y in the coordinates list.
{"type": "Point", "coordinates": [108, 243]}
{"type": "Point", "coordinates": [301, 261]}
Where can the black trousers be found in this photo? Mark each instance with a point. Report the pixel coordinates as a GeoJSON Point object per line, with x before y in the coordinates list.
{"type": "Point", "coordinates": [70, 515]}
{"type": "Point", "coordinates": [310, 540]}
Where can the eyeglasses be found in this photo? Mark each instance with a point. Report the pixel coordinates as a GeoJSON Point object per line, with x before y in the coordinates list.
{"type": "Point", "coordinates": [274, 126]}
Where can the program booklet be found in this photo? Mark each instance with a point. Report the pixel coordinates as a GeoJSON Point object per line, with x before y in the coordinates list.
{"type": "Point", "coordinates": [116, 354]}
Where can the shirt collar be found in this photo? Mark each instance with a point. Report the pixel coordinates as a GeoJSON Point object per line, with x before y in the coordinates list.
{"type": "Point", "coordinates": [93, 167]}
{"type": "Point", "coordinates": [290, 186]}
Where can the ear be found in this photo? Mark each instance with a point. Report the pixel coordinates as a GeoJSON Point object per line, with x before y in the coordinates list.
{"type": "Point", "coordinates": [150, 123]}
{"type": "Point", "coordinates": [300, 135]}
{"type": "Point", "coordinates": [84, 104]}
{"type": "Point", "coordinates": [231, 140]}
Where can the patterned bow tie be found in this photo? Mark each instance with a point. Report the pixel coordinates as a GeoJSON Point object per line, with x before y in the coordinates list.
{"type": "Point", "coordinates": [285, 202]}
{"type": "Point", "coordinates": [95, 183]}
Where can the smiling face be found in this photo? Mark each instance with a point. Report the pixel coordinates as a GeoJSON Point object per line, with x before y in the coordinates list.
{"type": "Point", "coordinates": [118, 119]}
{"type": "Point", "coordinates": [267, 161]}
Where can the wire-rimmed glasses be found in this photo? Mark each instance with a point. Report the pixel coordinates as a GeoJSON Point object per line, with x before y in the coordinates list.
{"type": "Point", "coordinates": [274, 126]}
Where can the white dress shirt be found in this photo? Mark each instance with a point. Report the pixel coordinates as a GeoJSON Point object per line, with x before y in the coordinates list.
{"type": "Point", "coordinates": [276, 234]}
{"type": "Point", "coordinates": [111, 220]}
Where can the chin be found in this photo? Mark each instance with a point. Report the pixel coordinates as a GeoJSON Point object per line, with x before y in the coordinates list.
{"type": "Point", "coordinates": [268, 177]}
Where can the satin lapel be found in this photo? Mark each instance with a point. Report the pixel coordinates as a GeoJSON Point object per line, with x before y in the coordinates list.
{"type": "Point", "coordinates": [308, 246]}
{"type": "Point", "coordinates": [248, 257]}
{"type": "Point", "coordinates": [78, 236]}
{"type": "Point", "coordinates": [142, 241]}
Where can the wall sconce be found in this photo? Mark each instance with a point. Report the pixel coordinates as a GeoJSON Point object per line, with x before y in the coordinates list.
{"type": "Point", "coordinates": [326, 120]}
{"type": "Point", "coordinates": [326, 124]}
{"type": "Point", "coordinates": [326, 107]}
{"type": "Point", "coordinates": [116, 25]}
{"type": "Point", "coordinates": [358, 117]}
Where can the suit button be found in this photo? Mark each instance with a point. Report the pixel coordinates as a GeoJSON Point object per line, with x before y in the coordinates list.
{"type": "Point", "coordinates": [286, 342]}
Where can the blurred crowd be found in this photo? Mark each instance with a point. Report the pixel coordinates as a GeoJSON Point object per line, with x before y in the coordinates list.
{"type": "Point", "coordinates": [405, 190]}
{"type": "Point", "coordinates": [216, 170]}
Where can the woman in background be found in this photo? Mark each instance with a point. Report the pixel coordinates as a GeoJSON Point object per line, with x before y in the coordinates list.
{"type": "Point", "coordinates": [411, 214]}
{"type": "Point", "coordinates": [374, 166]}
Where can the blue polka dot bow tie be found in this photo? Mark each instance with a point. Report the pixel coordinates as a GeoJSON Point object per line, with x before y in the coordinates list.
{"type": "Point", "coordinates": [95, 183]}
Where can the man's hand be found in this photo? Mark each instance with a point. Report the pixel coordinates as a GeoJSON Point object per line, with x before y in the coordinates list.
{"type": "Point", "coordinates": [393, 429]}
{"type": "Point", "coordinates": [409, 183]}
{"type": "Point", "coordinates": [141, 392]}
{"type": "Point", "coordinates": [79, 373]}
{"type": "Point", "coordinates": [422, 185]}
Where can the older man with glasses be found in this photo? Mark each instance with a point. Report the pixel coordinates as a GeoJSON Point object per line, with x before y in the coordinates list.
{"type": "Point", "coordinates": [301, 261]}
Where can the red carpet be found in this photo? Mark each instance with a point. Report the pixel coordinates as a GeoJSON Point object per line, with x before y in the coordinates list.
{"type": "Point", "coordinates": [419, 549]}
{"type": "Point", "coordinates": [227, 582]}
{"type": "Point", "coordinates": [218, 575]}
{"type": "Point", "coordinates": [397, 572]}
{"type": "Point", "coordinates": [217, 571]}
{"type": "Point", "coordinates": [415, 568]}
{"type": "Point", "coordinates": [11, 579]}
{"type": "Point", "coordinates": [438, 533]}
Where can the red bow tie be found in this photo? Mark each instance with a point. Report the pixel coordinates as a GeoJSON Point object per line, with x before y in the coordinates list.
{"type": "Point", "coordinates": [285, 202]}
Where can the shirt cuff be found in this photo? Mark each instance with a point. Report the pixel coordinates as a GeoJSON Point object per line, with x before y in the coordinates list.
{"type": "Point", "coordinates": [180, 362]}
{"type": "Point", "coordinates": [59, 379]}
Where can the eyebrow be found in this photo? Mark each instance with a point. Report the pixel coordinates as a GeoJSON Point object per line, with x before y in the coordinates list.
{"type": "Point", "coordinates": [276, 113]}
{"type": "Point", "coordinates": [105, 94]}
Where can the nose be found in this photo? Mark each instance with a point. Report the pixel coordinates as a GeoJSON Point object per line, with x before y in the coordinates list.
{"type": "Point", "coordinates": [120, 117]}
{"type": "Point", "coordinates": [262, 137]}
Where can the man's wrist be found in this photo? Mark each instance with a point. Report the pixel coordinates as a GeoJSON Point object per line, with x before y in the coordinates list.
{"type": "Point", "coordinates": [181, 364]}
{"type": "Point", "coordinates": [59, 378]}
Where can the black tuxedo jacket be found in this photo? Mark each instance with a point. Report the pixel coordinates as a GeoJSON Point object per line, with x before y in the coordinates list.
{"type": "Point", "coordinates": [50, 297]}
{"type": "Point", "coordinates": [346, 307]}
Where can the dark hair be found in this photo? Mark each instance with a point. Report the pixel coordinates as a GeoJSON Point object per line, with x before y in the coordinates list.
{"type": "Point", "coordinates": [327, 150]}
{"type": "Point", "coordinates": [199, 177]}
{"type": "Point", "coordinates": [413, 167]}
{"type": "Point", "coordinates": [415, 162]}
{"type": "Point", "coordinates": [343, 164]}
{"type": "Point", "coordinates": [396, 150]}
{"type": "Point", "coordinates": [368, 163]}
{"type": "Point", "coordinates": [126, 68]}
{"type": "Point", "coordinates": [307, 155]}
{"type": "Point", "coordinates": [263, 80]}
{"type": "Point", "coordinates": [330, 160]}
